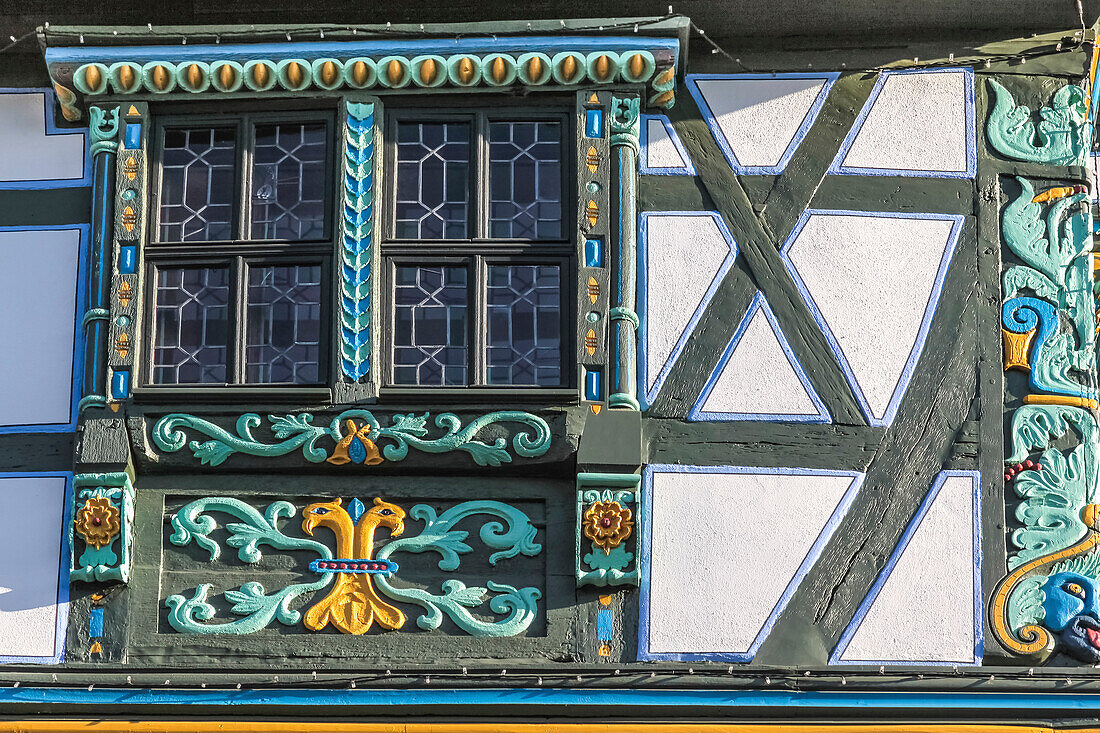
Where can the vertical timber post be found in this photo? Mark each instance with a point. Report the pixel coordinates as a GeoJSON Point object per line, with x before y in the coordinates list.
{"type": "Point", "coordinates": [104, 148]}
{"type": "Point", "coordinates": [624, 146]}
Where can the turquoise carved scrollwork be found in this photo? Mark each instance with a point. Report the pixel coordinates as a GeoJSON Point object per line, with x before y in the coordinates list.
{"type": "Point", "coordinates": [439, 536]}
{"type": "Point", "coordinates": [104, 130]}
{"type": "Point", "coordinates": [1055, 248]}
{"type": "Point", "coordinates": [351, 430]}
{"type": "Point", "coordinates": [192, 524]}
{"type": "Point", "coordinates": [1061, 131]}
{"type": "Point", "coordinates": [1052, 498]}
{"type": "Point", "coordinates": [516, 536]}
{"type": "Point", "coordinates": [355, 251]}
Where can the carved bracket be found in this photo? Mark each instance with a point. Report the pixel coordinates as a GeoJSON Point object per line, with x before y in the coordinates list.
{"type": "Point", "coordinates": [608, 522]}
{"type": "Point", "coordinates": [103, 519]}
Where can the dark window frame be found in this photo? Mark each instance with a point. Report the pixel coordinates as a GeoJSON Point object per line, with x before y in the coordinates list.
{"type": "Point", "coordinates": [239, 253]}
{"type": "Point", "coordinates": [479, 250]}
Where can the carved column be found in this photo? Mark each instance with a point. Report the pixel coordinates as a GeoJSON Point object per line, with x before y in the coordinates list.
{"type": "Point", "coordinates": [104, 135]}
{"type": "Point", "coordinates": [624, 146]}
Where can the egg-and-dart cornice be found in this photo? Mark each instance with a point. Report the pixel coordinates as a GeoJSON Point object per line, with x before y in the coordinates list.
{"type": "Point", "coordinates": [82, 73]}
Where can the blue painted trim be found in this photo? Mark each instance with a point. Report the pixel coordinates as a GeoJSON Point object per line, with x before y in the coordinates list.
{"type": "Point", "coordinates": [903, 543]}
{"type": "Point", "coordinates": [78, 333]}
{"type": "Point", "coordinates": [62, 566]}
{"type": "Point", "coordinates": [48, 101]}
{"type": "Point", "coordinates": [646, 396]}
{"type": "Point", "coordinates": [698, 414]}
{"type": "Point", "coordinates": [812, 555]}
{"type": "Point", "coordinates": [838, 167]}
{"type": "Point", "coordinates": [644, 169]}
{"type": "Point", "coordinates": [922, 334]}
{"type": "Point", "coordinates": [310, 50]}
{"type": "Point", "coordinates": [298, 697]}
{"type": "Point", "coordinates": [800, 134]}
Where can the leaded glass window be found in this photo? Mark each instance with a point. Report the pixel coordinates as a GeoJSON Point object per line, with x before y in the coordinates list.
{"type": "Point", "coordinates": [524, 334]}
{"type": "Point", "coordinates": [525, 180]}
{"type": "Point", "coordinates": [240, 264]}
{"type": "Point", "coordinates": [432, 323]}
{"type": "Point", "coordinates": [192, 325]}
{"type": "Point", "coordinates": [477, 249]}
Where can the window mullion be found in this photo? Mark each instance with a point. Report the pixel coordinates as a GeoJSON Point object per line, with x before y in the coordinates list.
{"type": "Point", "coordinates": [246, 135]}
{"type": "Point", "coordinates": [235, 353]}
{"type": "Point", "coordinates": [480, 192]}
{"type": "Point", "coordinates": [479, 320]}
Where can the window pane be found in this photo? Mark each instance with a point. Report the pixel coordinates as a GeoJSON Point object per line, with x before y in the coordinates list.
{"type": "Point", "coordinates": [431, 322]}
{"type": "Point", "coordinates": [525, 180]}
{"type": "Point", "coordinates": [284, 325]}
{"type": "Point", "coordinates": [524, 307]}
{"type": "Point", "coordinates": [192, 325]}
{"type": "Point", "coordinates": [433, 180]}
{"type": "Point", "coordinates": [288, 181]}
{"type": "Point", "coordinates": [197, 183]}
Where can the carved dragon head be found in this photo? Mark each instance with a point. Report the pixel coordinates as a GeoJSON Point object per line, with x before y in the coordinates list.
{"type": "Point", "coordinates": [327, 514]}
{"type": "Point", "coordinates": [385, 514]}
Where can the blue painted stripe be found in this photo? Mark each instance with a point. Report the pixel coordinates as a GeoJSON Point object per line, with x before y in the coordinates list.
{"type": "Point", "coordinates": [310, 50]}
{"type": "Point", "coordinates": [556, 697]}
{"type": "Point", "coordinates": [95, 623]}
{"type": "Point", "coordinates": [604, 629]}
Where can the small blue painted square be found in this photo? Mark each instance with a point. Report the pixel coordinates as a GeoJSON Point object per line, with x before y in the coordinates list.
{"type": "Point", "coordinates": [127, 259]}
{"type": "Point", "coordinates": [133, 135]}
{"type": "Point", "coordinates": [593, 253]}
{"type": "Point", "coordinates": [592, 386]}
{"type": "Point", "coordinates": [120, 384]}
{"type": "Point", "coordinates": [593, 123]}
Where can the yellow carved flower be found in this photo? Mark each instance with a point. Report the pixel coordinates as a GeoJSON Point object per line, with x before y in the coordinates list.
{"type": "Point", "coordinates": [98, 522]}
{"type": "Point", "coordinates": [608, 524]}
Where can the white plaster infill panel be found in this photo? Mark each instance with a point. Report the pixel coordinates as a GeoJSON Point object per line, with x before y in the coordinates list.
{"type": "Point", "coordinates": [662, 152]}
{"type": "Point", "coordinates": [682, 258]}
{"type": "Point", "coordinates": [34, 153]}
{"type": "Point", "coordinates": [758, 120]}
{"type": "Point", "coordinates": [915, 123]}
{"type": "Point", "coordinates": [873, 282]}
{"type": "Point", "coordinates": [34, 577]}
{"type": "Point", "coordinates": [937, 562]}
{"type": "Point", "coordinates": [723, 550]}
{"type": "Point", "coordinates": [759, 377]}
{"type": "Point", "coordinates": [41, 290]}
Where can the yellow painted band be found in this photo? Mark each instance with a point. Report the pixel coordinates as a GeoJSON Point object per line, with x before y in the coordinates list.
{"type": "Point", "coordinates": [1057, 399]}
{"type": "Point", "coordinates": [180, 726]}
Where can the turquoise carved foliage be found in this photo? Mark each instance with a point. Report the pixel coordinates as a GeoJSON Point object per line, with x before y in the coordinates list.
{"type": "Point", "coordinates": [1050, 232]}
{"type": "Point", "coordinates": [369, 578]}
{"type": "Point", "coordinates": [356, 436]}
{"type": "Point", "coordinates": [1059, 138]}
{"type": "Point", "coordinates": [101, 533]}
